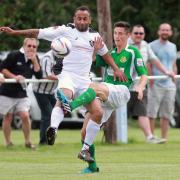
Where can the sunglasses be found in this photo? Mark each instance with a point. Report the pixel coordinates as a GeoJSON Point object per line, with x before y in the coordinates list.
{"type": "Point", "coordinates": [33, 46]}
{"type": "Point", "coordinates": [140, 33]}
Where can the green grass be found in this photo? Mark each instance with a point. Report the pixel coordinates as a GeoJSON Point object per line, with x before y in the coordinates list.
{"type": "Point", "coordinates": [135, 160]}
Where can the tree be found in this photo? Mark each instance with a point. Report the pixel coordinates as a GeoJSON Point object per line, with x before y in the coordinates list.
{"type": "Point", "coordinates": [105, 29]}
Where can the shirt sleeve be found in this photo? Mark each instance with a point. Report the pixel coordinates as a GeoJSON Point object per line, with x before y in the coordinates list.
{"type": "Point", "coordinates": [139, 64]}
{"type": "Point", "coordinates": [46, 66]}
{"type": "Point", "coordinates": [175, 49]}
{"type": "Point", "coordinates": [51, 32]}
{"type": "Point", "coordinates": [9, 62]}
{"type": "Point", "coordinates": [151, 54]}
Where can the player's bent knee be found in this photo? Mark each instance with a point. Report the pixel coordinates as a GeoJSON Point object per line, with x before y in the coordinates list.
{"type": "Point", "coordinates": [97, 115]}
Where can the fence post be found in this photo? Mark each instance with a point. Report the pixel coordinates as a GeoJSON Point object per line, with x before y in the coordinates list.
{"type": "Point", "coordinates": [122, 124]}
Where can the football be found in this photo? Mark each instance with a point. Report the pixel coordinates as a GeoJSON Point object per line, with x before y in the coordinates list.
{"type": "Point", "coordinates": [61, 47]}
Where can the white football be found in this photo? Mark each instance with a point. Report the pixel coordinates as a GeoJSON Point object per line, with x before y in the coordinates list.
{"type": "Point", "coordinates": [61, 47]}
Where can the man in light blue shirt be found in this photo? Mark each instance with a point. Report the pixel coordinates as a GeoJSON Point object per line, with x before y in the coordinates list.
{"type": "Point", "coordinates": [161, 96]}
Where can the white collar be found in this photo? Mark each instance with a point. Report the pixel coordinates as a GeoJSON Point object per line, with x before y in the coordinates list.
{"type": "Point", "coordinates": [23, 52]}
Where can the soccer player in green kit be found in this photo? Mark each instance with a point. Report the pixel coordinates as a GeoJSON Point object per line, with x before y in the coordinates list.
{"type": "Point", "coordinates": [112, 92]}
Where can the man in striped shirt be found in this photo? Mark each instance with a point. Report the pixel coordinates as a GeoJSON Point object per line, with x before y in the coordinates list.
{"type": "Point", "coordinates": [44, 92]}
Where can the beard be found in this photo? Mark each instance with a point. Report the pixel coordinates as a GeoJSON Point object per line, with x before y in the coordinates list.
{"type": "Point", "coordinates": [165, 37]}
{"type": "Point", "coordinates": [82, 28]}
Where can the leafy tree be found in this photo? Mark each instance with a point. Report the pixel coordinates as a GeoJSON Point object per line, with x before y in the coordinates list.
{"type": "Point", "coordinates": [23, 14]}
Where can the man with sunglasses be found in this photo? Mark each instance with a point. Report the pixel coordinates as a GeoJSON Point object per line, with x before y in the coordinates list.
{"type": "Point", "coordinates": [136, 107]}
{"type": "Point", "coordinates": [18, 65]}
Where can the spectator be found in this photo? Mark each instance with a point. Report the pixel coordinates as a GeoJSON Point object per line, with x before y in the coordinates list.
{"type": "Point", "coordinates": [136, 107]}
{"type": "Point", "coordinates": [161, 96]}
{"type": "Point", "coordinates": [44, 92]}
{"type": "Point", "coordinates": [18, 65]}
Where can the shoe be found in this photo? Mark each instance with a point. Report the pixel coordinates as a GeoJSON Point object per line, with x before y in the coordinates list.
{"type": "Point", "coordinates": [89, 170]}
{"type": "Point", "coordinates": [30, 146]}
{"type": "Point", "coordinates": [43, 143]}
{"type": "Point", "coordinates": [163, 140]}
{"type": "Point", "coordinates": [64, 101]}
{"type": "Point", "coordinates": [9, 145]}
{"type": "Point", "coordinates": [51, 135]}
{"type": "Point", "coordinates": [85, 155]}
{"type": "Point", "coordinates": [156, 140]}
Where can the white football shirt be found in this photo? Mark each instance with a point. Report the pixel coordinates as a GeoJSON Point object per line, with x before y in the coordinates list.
{"type": "Point", "coordinates": [79, 60]}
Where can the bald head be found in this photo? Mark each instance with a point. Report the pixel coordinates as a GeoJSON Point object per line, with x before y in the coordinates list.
{"type": "Point", "coordinates": [164, 31]}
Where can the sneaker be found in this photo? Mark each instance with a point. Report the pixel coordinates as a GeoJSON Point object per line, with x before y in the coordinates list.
{"type": "Point", "coordinates": [51, 135]}
{"type": "Point", "coordinates": [85, 155]}
{"type": "Point", "coordinates": [9, 145]}
{"type": "Point", "coordinates": [30, 146]}
{"type": "Point", "coordinates": [163, 140]}
{"type": "Point", "coordinates": [156, 140]}
{"type": "Point", "coordinates": [64, 101]}
{"type": "Point", "coordinates": [89, 170]}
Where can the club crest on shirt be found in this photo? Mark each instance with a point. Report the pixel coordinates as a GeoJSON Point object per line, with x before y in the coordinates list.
{"type": "Point", "coordinates": [91, 42]}
{"type": "Point", "coordinates": [19, 63]}
{"type": "Point", "coordinates": [139, 62]}
{"type": "Point", "coordinates": [123, 59]}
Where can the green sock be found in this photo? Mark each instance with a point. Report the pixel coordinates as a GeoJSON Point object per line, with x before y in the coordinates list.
{"type": "Point", "coordinates": [93, 165]}
{"type": "Point", "coordinates": [85, 98]}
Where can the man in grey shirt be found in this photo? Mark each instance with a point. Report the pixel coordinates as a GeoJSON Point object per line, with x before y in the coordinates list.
{"type": "Point", "coordinates": [161, 97]}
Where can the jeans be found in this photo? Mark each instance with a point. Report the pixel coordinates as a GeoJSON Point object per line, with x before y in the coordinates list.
{"type": "Point", "coordinates": [46, 103]}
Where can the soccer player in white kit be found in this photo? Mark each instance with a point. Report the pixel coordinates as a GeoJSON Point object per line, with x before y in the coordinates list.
{"type": "Point", "coordinates": [74, 78]}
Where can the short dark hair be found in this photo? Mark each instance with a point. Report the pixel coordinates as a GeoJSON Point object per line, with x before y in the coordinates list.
{"type": "Point", "coordinates": [82, 8]}
{"type": "Point", "coordinates": [123, 24]}
{"type": "Point", "coordinates": [138, 26]}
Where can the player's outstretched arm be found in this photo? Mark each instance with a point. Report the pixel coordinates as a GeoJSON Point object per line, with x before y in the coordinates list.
{"type": "Point", "coordinates": [32, 33]}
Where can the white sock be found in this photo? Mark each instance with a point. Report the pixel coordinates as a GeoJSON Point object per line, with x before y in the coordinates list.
{"type": "Point", "coordinates": [149, 137]}
{"type": "Point", "coordinates": [91, 130]}
{"type": "Point", "coordinates": [57, 117]}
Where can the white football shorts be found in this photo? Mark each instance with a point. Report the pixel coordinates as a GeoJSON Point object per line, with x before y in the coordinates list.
{"type": "Point", "coordinates": [77, 84]}
{"type": "Point", "coordinates": [119, 95]}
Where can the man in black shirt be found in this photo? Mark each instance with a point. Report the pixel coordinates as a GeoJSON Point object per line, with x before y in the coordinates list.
{"type": "Point", "coordinates": [19, 65]}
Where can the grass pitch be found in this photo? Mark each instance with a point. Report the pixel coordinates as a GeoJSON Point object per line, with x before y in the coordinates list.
{"type": "Point", "coordinates": [135, 160]}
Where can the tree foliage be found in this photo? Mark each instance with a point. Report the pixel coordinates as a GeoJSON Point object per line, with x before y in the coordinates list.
{"type": "Point", "coordinates": [23, 14]}
{"type": "Point", "coordinates": [150, 14]}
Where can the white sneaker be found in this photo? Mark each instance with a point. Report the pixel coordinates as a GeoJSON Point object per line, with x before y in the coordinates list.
{"type": "Point", "coordinates": [156, 140]}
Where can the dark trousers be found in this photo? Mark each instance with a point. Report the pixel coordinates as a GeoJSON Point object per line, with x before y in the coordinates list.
{"type": "Point", "coordinates": [46, 103]}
